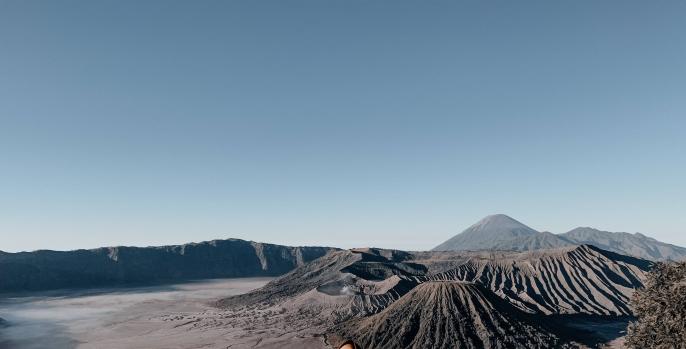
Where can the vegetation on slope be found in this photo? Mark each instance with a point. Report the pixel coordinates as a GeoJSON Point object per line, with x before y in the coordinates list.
{"type": "Point", "coordinates": [661, 309]}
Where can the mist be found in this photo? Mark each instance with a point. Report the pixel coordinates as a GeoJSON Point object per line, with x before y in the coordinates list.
{"type": "Point", "coordinates": [66, 320]}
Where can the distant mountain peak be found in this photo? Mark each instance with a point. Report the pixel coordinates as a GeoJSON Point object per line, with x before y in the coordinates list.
{"type": "Point", "coordinates": [637, 244]}
{"type": "Point", "coordinates": [499, 220]}
{"type": "Point", "coordinates": [484, 233]}
{"type": "Point", "coordinates": [503, 233]}
{"type": "Point", "coordinates": [497, 216]}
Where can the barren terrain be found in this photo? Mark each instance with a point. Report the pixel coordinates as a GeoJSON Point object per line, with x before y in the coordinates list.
{"type": "Point", "coordinates": [575, 296]}
{"type": "Point", "coordinates": [146, 317]}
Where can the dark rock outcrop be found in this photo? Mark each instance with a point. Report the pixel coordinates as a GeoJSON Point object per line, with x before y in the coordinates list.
{"type": "Point", "coordinates": [117, 266]}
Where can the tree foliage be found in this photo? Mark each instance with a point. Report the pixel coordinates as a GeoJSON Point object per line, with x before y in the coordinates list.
{"type": "Point", "coordinates": [661, 309]}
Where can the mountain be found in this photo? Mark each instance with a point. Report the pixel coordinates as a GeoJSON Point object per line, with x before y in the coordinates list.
{"type": "Point", "coordinates": [365, 280]}
{"type": "Point", "coordinates": [492, 230]}
{"type": "Point", "coordinates": [500, 232]}
{"type": "Point", "coordinates": [569, 280]}
{"type": "Point", "coordinates": [637, 244]}
{"type": "Point", "coordinates": [396, 299]}
{"type": "Point", "coordinates": [467, 314]}
{"type": "Point", "coordinates": [117, 266]}
{"type": "Point", "coordinates": [533, 242]}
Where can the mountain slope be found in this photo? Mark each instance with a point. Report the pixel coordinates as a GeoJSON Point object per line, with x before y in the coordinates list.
{"type": "Point", "coordinates": [570, 280]}
{"type": "Point", "coordinates": [114, 266]}
{"type": "Point", "coordinates": [637, 244]}
{"type": "Point", "coordinates": [490, 231]}
{"type": "Point", "coordinates": [347, 283]}
{"type": "Point", "coordinates": [538, 241]}
{"type": "Point", "coordinates": [468, 316]}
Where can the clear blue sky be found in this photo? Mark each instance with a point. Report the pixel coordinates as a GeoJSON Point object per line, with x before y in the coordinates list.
{"type": "Point", "coordinates": [347, 123]}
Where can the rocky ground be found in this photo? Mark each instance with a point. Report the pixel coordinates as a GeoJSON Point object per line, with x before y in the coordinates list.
{"type": "Point", "coordinates": [573, 296]}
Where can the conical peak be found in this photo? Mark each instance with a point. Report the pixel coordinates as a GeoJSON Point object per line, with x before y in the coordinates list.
{"type": "Point", "coordinates": [499, 215]}
{"type": "Point", "coordinates": [487, 233]}
{"type": "Point", "coordinates": [498, 221]}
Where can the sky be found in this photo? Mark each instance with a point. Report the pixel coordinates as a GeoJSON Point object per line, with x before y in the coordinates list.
{"type": "Point", "coordinates": [353, 123]}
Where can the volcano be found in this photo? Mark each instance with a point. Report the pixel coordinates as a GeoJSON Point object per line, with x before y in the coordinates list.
{"type": "Point", "coordinates": [467, 314]}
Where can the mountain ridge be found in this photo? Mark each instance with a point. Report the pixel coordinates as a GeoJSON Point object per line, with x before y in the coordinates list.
{"type": "Point", "coordinates": [123, 265]}
{"type": "Point", "coordinates": [636, 244]}
{"type": "Point", "coordinates": [512, 235]}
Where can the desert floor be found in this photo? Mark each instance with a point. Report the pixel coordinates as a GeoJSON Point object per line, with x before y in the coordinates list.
{"type": "Point", "coordinates": [170, 316]}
